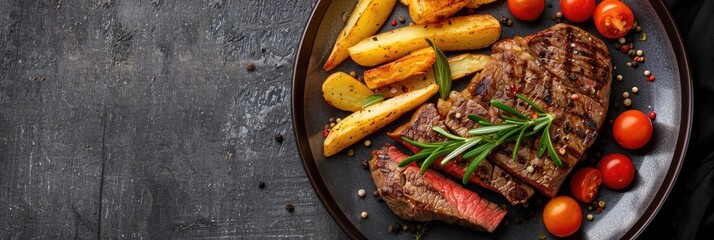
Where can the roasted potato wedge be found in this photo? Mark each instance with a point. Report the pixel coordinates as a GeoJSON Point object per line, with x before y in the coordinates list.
{"type": "Point", "coordinates": [345, 92]}
{"type": "Point", "coordinates": [458, 33]}
{"type": "Point", "coordinates": [417, 62]}
{"type": "Point", "coordinates": [368, 120]}
{"type": "Point", "coordinates": [365, 20]}
{"type": "Point", "coordinates": [461, 66]}
{"type": "Point", "coordinates": [477, 3]}
{"type": "Point", "coordinates": [428, 11]}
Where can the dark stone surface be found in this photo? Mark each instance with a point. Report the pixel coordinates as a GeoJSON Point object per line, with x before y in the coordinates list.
{"type": "Point", "coordinates": [140, 119]}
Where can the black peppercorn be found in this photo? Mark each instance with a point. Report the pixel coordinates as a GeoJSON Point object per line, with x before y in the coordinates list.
{"type": "Point", "coordinates": [279, 137]}
{"type": "Point", "coordinates": [289, 207]}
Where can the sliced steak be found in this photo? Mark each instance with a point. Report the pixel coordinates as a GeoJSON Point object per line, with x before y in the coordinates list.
{"type": "Point", "coordinates": [431, 196]}
{"type": "Point", "coordinates": [486, 175]}
{"type": "Point", "coordinates": [547, 67]}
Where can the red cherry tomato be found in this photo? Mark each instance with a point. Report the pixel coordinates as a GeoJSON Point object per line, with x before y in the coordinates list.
{"type": "Point", "coordinates": [585, 183]}
{"type": "Point", "coordinates": [577, 10]}
{"type": "Point", "coordinates": [562, 216]}
{"type": "Point", "coordinates": [617, 171]}
{"type": "Point", "coordinates": [632, 129]}
{"type": "Point", "coordinates": [613, 19]}
{"type": "Point", "coordinates": [527, 10]}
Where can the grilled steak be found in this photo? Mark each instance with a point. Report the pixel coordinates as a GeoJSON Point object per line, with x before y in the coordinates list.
{"type": "Point", "coordinates": [431, 196]}
{"type": "Point", "coordinates": [548, 67]}
{"type": "Point", "coordinates": [486, 175]}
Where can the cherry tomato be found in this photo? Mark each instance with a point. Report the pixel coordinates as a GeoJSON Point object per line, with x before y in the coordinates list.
{"type": "Point", "coordinates": [562, 216]}
{"type": "Point", "coordinates": [617, 171]}
{"type": "Point", "coordinates": [632, 129]}
{"type": "Point", "coordinates": [613, 19]}
{"type": "Point", "coordinates": [526, 9]}
{"type": "Point", "coordinates": [585, 183]}
{"type": "Point", "coordinates": [577, 10]}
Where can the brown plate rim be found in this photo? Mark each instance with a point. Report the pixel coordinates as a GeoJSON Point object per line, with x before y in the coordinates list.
{"type": "Point", "coordinates": [302, 60]}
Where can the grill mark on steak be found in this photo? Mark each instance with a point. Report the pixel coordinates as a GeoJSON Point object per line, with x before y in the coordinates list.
{"type": "Point", "coordinates": [431, 196]}
{"type": "Point", "coordinates": [548, 67]}
{"type": "Point", "coordinates": [486, 175]}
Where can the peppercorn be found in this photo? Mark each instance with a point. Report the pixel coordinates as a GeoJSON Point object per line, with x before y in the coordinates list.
{"type": "Point", "coordinates": [353, 74]}
{"type": "Point", "coordinates": [638, 29]}
{"type": "Point", "coordinates": [401, 19]}
{"type": "Point", "coordinates": [559, 14]}
{"type": "Point", "coordinates": [625, 95]}
{"type": "Point", "coordinates": [622, 40]}
{"type": "Point", "coordinates": [289, 207]}
{"type": "Point", "coordinates": [363, 215]}
{"type": "Point", "coordinates": [375, 193]}
{"type": "Point", "coordinates": [541, 236]}
{"type": "Point", "coordinates": [601, 204]}
{"type": "Point", "coordinates": [574, 97]}
{"type": "Point", "coordinates": [393, 228]}
{"type": "Point", "coordinates": [640, 53]}
{"type": "Point", "coordinates": [623, 48]}
{"type": "Point", "coordinates": [361, 193]}
{"type": "Point", "coordinates": [250, 66]}
{"type": "Point", "coordinates": [652, 115]}
{"type": "Point", "coordinates": [278, 137]}
{"type": "Point", "coordinates": [351, 152]}
{"type": "Point", "coordinates": [530, 169]}
{"type": "Point", "coordinates": [619, 77]}
{"type": "Point", "coordinates": [367, 143]}
{"type": "Point", "coordinates": [365, 164]}
{"type": "Point", "coordinates": [590, 217]}
{"type": "Point", "coordinates": [634, 63]}
{"type": "Point", "coordinates": [509, 22]}
{"type": "Point", "coordinates": [635, 89]}
{"type": "Point", "coordinates": [651, 78]}
{"type": "Point", "coordinates": [627, 102]}
{"type": "Point", "coordinates": [261, 184]}
{"type": "Point", "coordinates": [394, 22]}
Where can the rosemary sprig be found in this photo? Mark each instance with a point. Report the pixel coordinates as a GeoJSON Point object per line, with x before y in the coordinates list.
{"type": "Point", "coordinates": [486, 137]}
{"type": "Point", "coordinates": [442, 72]}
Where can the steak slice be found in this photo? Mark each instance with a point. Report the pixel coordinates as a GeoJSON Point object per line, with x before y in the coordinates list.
{"type": "Point", "coordinates": [431, 196]}
{"type": "Point", "coordinates": [486, 175]}
{"type": "Point", "coordinates": [548, 67]}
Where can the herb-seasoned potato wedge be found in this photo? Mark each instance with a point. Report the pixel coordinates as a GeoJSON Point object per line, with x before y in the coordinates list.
{"type": "Point", "coordinates": [345, 92]}
{"type": "Point", "coordinates": [417, 62]}
{"type": "Point", "coordinates": [458, 33]}
{"type": "Point", "coordinates": [469, 3]}
{"type": "Point", "coordinates": [477, 3]}
{"type": "Point", "coordinates": [368, 120]}
{"type": "Point", "coordinates": [428, 11]}
{"type": "Point", "coordinates": [461, 66]}
{"type": "Point", "coordinates": [365, 20]}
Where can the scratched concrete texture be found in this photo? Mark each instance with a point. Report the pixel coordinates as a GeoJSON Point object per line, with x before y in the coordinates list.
{"type": "Point", "coordinates": [138, 119]}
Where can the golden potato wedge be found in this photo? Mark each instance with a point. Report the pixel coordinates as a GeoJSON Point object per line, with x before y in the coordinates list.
{"type": "Point", "coordinates": [345, 92]}
{"type": "Point", "coordinates": [477, 3]}
{"type": "Point", "coordinates": [370, 119]}
{"type": "Point", "coordinates": [458, 33]}
{"type": "Point", "coordinates": [461, 66]}
{"type": "Point", "coordinates": [417, 62]}
{"type": "Point", "coordinates": [428, 11]}
{"type": "Point", "coordinates": [365, 20]}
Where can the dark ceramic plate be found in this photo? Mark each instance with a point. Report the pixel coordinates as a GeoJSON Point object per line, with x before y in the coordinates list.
{"type": "Point", "coordinates": [337, 179]}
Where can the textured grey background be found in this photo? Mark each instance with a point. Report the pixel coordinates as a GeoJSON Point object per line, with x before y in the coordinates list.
{"type": "Point", "coordinates": [138, 119]}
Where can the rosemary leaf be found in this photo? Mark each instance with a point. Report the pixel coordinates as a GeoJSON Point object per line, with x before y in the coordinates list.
{"type": "Point", "coordinates": [447, 133]}
{"type": "Point", "coordinates": [442, 71]}
{"type": "Point", "coordinates": [474, 163]}
{"type": "Point", "coordinates": [530, 102]}
{"type": "Point", "coordinates": [373, 99]}
{"type": "Point", "coordinates": [490, 129]}
{"type": "Point", "coordinates": [461, 149]}
{"type": "Point", "coordinates": [421, 145]}
{"type": "Point", "coordinates": [507, 109]}
{"type": "Point", "coordinates": [476, 118]}
{"type": "Point", "coordinates": [416, 157]}
{"type": "Point", "coordinates": [551, 150]}
{"type": "Point", "coordinates": [518, 142]}
{"type": "Point", "coordinates": [439, 152]}
{"type": "Point", "coordinates": [542, 146]}
{"type": "Point", "coordinates": [476, 151]}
